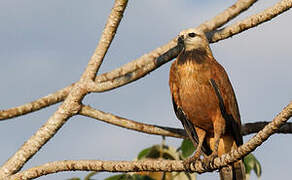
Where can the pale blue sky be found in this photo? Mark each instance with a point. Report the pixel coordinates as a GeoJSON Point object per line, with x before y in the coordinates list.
{"type": "Point", "coordinates": [45, 45]}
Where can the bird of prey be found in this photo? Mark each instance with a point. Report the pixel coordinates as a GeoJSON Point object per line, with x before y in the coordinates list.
{"type": "Point", "coordinates": [205, 103]}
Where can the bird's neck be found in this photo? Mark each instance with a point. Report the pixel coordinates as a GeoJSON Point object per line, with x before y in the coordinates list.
{"type": "Point", "coordinates": [197, 56]}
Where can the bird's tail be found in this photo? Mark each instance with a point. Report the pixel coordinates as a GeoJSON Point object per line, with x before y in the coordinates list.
{"type": "Point", "coordinates": [236, 171]}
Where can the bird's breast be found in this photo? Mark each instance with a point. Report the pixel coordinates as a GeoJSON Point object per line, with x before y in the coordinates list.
{"type": "Point", "coordinates": [198, 99]}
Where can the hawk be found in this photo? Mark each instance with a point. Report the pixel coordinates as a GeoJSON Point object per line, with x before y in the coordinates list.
{"type": "Point", "coordinates": [205, 103]}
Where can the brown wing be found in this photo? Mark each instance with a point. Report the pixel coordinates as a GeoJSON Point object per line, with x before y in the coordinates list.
{"type": "Point", "coordinates": [229, 107]}
{"type": "Point", "coordinates": [188, 126]}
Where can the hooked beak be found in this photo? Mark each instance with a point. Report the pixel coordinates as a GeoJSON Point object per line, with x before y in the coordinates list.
{"type": "Point", "coordinates": [180, 41]}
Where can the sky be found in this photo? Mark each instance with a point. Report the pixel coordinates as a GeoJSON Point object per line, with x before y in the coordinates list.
{"type": "Point", "coordinates": [46, 45]}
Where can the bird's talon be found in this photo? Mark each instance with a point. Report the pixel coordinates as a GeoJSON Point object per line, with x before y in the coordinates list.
{"type": "Point", "coordinates": [187, 165]}
{"type": "Point", "coordinates": [188, 162]}
{"type": "Point", "coordinates": [209, 159]}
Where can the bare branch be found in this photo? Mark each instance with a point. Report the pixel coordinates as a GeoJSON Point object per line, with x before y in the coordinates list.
{"type": "Point", "coordinates": [107, 36]}
{"type": "Point", "coordinates": [71, 105]}
{"type": "Point", "coordinates": [95, 165]}
{"type": "Point", "coordinates": [129, 124]}
{"type": "Point", "coordinates": [36, 105]}
{"type": "Point", "coordinates": [246, 129]}
{"type": "Point", "coordinates": [250, 22]}
{"type": "Point", "coordinates": [225, 16]}
{"type": "Point", "coordinates": [137, 68]}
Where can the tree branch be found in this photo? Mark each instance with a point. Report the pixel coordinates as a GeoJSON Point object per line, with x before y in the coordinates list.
{"type": "Point", "coordinates": [71, 105]}
{"type": "Point", "coordinates": [250, 22]}
{"type": "Point", "coordinates": [107, 36]}
{"type": "Point", "coordinates": [129, 124]}
{"type": "Point", "coordinates": [246, 129]}
{"type": "Point", "coordinates": [225, 16]}
{"type": "Point", "coordinates": [96, 165]}
{"type": "Point", "coordinates": [38, 104]}
{"type": "Point", "coordinates": [160, 165]}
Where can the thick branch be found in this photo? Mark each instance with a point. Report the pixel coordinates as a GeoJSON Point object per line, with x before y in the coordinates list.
{"type": "Point", "coordinates": [95, 165]}
{"type": "Point", "coordinates": [70, 107]}
{"type": "Point", "coordinates": [250, 22]}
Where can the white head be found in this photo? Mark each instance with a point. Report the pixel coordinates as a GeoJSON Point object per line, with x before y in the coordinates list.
{"type": "Point", "coordinates": [195, 40]}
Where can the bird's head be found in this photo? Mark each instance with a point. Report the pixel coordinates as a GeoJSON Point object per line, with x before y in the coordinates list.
{"type": "Point", "coordinates": [195, 40]}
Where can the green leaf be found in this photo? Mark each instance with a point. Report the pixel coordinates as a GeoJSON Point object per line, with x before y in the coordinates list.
{"type": "Point", "coordinates": [251, 163]}
{"type": "Point", "coordinates": [144, 153]}
{"type": "Point", "coordinates": [155, 152]}
{"type": "Point", "coordinates": [187, 148]}
{"type": "Point", "coordinates": [158, 151]}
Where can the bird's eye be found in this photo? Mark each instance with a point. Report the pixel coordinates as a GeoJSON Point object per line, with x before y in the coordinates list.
{"type": "Point", "coordinates": [192, 34]}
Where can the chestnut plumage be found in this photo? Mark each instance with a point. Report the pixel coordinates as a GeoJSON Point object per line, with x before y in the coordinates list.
{"type": "Point", "coordinates": [205, 103]}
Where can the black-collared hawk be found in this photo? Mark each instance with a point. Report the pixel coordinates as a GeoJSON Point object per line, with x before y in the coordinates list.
{"type": "Point", "coordinates": [205, 103]}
